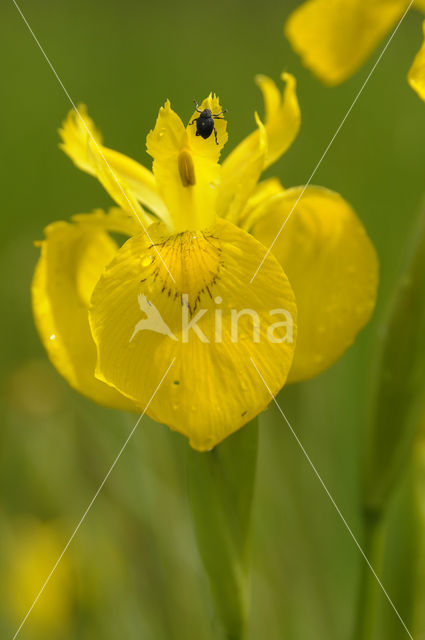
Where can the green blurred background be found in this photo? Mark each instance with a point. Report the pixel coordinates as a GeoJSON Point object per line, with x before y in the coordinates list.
{"type": "Point", "coordinates": [133, 570]}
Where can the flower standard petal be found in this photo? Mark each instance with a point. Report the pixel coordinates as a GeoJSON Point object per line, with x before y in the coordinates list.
{"type": "Point", "coordinates": [165, 143]}
{"type": "Point", "coordinates": [335, 37]}
{"type": "Point", "coordinates": [240, 176]}
{"type": "Point", "coordinates": [333, 269]}
{"type": "Point", "coordinates": [416, 76]}
{"type": "Point", "coordinates": [243, 167]}
{"type": "Point", "coordinates": [186, 170]}
{"type": "Point", "coordinates": [138, 322]}
{"type": "Point", "coordinates": [72, 259]}
{"type": "Point", "coordinates": [78, 130]}
{"type": "Point", "coordinates": [283, 115]}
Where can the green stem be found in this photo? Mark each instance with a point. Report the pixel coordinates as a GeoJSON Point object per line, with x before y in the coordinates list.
{"type": "Point", "coordinates": [221, 487]}
{"type": "Point", "coordinates": [369, 595]}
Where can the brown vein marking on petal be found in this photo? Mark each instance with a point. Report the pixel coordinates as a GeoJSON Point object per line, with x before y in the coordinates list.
{"type": "Point", "coordinates": [194, 259]}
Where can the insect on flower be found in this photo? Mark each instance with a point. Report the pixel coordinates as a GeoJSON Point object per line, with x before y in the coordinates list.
{"type": "Point", "coordinates": [205, 122]}
{"type": "Point", "coordinates": [206, 227]}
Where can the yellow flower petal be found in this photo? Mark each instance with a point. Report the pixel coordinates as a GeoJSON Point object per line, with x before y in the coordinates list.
{"type": "Point", "coordinates": [116, 220]}
{"type": "Point", "coordinates": [419, 5]}
{"type": "Point", "coordinates": [335, 37]}
{"type": "Point", "coordinates": [72, 259]}
{"type": "Point", "coordinates": [116, 186]}
{"type": "Point", "coordinates": [76, 133]}
{"type": "Point", "coordinates": [263, 191]}
{"type": "Point", "coordinates": [212, 388]}
{"type": "Point", "coordinates": [185, 169]}
{"type": "Point", "coordinates": [243, 167]}
{"type": "Point", "coordinates": [240, 173]}
{"type": "Point", "coordinates": [283, 115]}
{"type": "Point", "coordinates": [416, 76]}
{"type": "Point", "coordinates": [333, 269]}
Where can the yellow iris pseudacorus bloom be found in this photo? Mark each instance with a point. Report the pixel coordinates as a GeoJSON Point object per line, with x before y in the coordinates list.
{"type": "Point", "coordinates": [197, 231]}
{"type": "Point", "coordinates": [335, 37]}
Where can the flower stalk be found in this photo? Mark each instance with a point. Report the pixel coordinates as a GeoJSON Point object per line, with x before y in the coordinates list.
{"type": "Point", "coordinates": [221, 488]}
{"type": "Point", "coordinates": [369, 594]}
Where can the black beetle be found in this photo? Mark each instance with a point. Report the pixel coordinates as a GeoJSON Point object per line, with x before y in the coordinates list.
{"type": "Point", "coordinates": [205, 122]}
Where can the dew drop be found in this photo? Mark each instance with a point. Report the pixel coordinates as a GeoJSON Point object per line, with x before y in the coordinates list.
{"type": "Point", "coordinates": [146, 261]}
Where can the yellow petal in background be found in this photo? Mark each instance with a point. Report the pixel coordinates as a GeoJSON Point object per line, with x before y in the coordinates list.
{"type": "Point", "coordinates": [335, 37]}
{"type": "Point", "coordinates": [333, 269]}
{"type": "Point", "coordinates": [33, 549]}
{"type": "Point", "coordinates": [419, 5]}
{"type": "Point", "coordinates": [72, 259]}
{"type": "Point", "coordinates": [416, 76]}
{"type": "Point", "coordinates": [76, 132]}
{"type": "Point", "coordinates": [137, 312]}
{"type": "Point", "coordinates": [185, 169]}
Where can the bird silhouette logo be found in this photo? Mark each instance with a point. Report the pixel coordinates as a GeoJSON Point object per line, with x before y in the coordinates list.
{"type": "Point", "coordinates": [153, 320]}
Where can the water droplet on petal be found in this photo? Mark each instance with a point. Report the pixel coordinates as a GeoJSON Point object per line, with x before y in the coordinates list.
{"type": "Point", "coordinates": [146, 261]}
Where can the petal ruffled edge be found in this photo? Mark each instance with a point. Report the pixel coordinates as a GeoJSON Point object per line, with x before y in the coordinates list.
{"type": "Point", "coordinates": [243, 167]}
{"type": "Point", "coordinates": [82, 142]}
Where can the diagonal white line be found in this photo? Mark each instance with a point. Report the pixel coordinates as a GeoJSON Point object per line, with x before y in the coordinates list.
{"type": "Point", "coordinates": [89, 133]}
{"type": "Point", "coordinates": [333, 138]}
{"type": "Point", "coordinates": [319, 477]}
{"type": "Point", "coordinates": [111, 468]}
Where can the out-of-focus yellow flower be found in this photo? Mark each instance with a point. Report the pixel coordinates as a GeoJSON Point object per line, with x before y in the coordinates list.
{"type": "Point", "coordinates": [416, 75]}
{"type": "Point", "coordinates": [207, 227]}
{"type": "Point", "coordinates": [335, 37]}
{"type": "Point", "coordinates": [31, 554]}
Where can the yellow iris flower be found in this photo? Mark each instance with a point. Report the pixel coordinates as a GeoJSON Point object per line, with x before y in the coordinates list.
{"type": "Point", "coordinates": [198, 231]}
{"type": "Point", "coordinates": [335, 37]}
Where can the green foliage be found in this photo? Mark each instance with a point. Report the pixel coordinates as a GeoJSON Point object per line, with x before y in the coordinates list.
{"type": "Point", "coordinates": [399, 400]}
